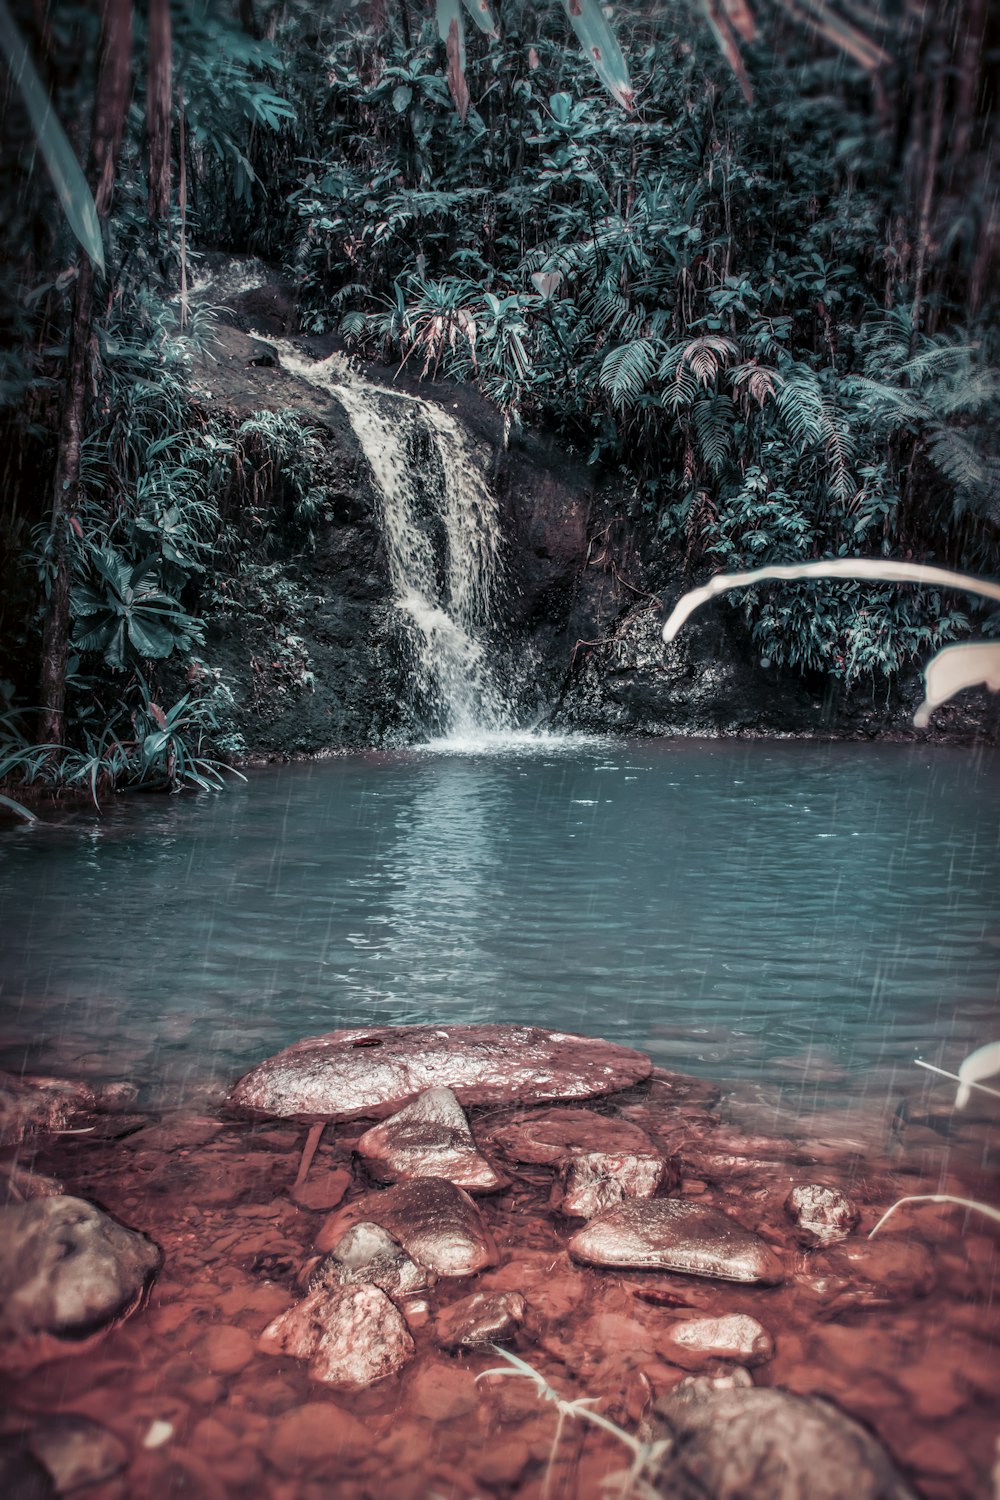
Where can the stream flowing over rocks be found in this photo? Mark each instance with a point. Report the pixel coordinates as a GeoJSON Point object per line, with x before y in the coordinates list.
{"type": "Point", "coordinates": [632, 1251]}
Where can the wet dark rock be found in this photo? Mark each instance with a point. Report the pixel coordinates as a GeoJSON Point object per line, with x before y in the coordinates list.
{"type": "Point", "coordinates": [435, 1222]}
{"type": "Point", "coordinates": [34, 1106]}
{"type": "Point", "coordinates": [483, 1318]}
{"type": "Point", "coordinates": [75, 1450]}
{"type": "Point", "coordinates": [546, 1137]}
{"type": "Point", "coordinates": [429, 1138]}
{"type": "Point", "coordinates": [871, 1273]}
{"type": "Point", "coordinates": [823, 1215]}
{"type": "Point", "coordinates": [730, 1444]}
{"type": "Point", "coordinates": [737, 1337]}
{"type": "Point", "coordinates": [368, 1253]}
{"type": "Point", "coordinates": [347, 1074]}
{"type": "Point", "coordinates": [593, 1183]}
{"type": "Point", "coordinates": [669, 1234]}
{"type": "Point", "coordinates": [66, 1270]}
{"type": "Point", "coordinates": [22, 1477]}
{"type": "Point", "coordinates": [351, 1336]}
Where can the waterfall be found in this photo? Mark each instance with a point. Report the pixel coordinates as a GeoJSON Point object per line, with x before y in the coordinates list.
{"type": "Point", "coordinates": [442, 535]}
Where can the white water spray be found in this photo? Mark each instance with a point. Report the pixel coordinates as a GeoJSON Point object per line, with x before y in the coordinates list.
{"type": "Point", "coordinates": [442, 534]}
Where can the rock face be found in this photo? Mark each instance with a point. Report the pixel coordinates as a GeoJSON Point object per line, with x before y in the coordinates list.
{"type": "Point", "coordinates": [368, 1253]}
{"type": "Point", "coordinates": [823, 1215]}
{"type": "Point", "coordinates": [348, 1074]}
{"type": "Point", "coordinates": [66, 1270]}
{"type": "Point", "coordinates": [596, 1182]}
{"type": "Point", "coordinates": [739, 1338]}
{"type": "Point", "coordinates": [546, 1137]}
{"type": "Point", "coordinates": [429, 1138]}
{"type": "Point", "coordinates": [667, 1234]}
{"type": "Point", "coordinates": [352, 1336]}
{"type": "Point", "coordinates": [435, 1222]}
{"type": "Point", "coordinates": [483, 1318]}
{"type": "Point", "coordinates": [730, 1444]}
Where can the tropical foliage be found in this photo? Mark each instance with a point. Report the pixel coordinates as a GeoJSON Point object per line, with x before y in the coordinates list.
{"type": "Point", "coordinates": [770, 327]}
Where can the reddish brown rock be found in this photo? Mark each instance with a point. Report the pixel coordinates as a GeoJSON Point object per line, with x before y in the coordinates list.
{"type": "Point", "coordinates": [545, 1137]}
{"type": "Point", "coordinates": [374, 1071]}
{"type": "Point", "coordinates": [668, 1234]}
{"type": "Point", "coordinates": [322, 1190]}
{"type": "Point", "coordinates": [694, 1344]}
{"type": "Point", "coordinates": [441, 1392]}
{"type": "Point", "coordinates": [593, 1183]}
{"type": "Point", "coordinates": [225, 1349]}
{"type": "Point", "coordinates": [351, 1336]}
{"type": "Point", "coordinates": [823, 1215]}
{"type": "Point", "coordinates": [368, 1253]}
{"type": "Point", "coordinates": [315, 1433]}
{"type": "Point", "coordinates": [483, 1318]}
{"type": "Point", "coordinates": [871, 1273]}
{"type": "Point", "coordinates": [429, 1138]}
{"type": "Point", "coordinates": [32, 1106]}
{"type": "Point", "coordinates": [435, 1222]}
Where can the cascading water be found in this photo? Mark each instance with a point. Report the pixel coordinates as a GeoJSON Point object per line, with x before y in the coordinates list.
{"type": "Point", "coordinates": [442, 534]}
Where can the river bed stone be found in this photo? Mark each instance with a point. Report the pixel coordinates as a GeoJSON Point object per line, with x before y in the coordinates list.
{"type": "Point", "coordinates": [429, 1138]}
{"type": "Point", "coordinates": [436, 1223]}
{"type": "Point", "coordinates": [592, 1183]}
{"type": "Point", "coordinates": [351, 1336]}
{"type": "Point", "coordinates": [368, 1253]}
{"type": "Point", "coordinates": [670, 1234]}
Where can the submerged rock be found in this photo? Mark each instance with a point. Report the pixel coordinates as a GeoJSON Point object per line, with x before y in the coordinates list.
{"type": "Point", "coordinates": [736, 1337]}
{"type": "Point", "coordinates": [435, 1222]}
{"type": "Point", "coordinates": [317, 1433]}
{"type": "Point", "coordinates": [822, 1214]}
{"type": "Point", "coordinates": [75, 1450]}
{"type": "Point", "coordinates": [32, 1106]}
{"type": "Point", "coordinates": [368, 1253]}
{"type": "Point", "coordinates": [429, 1138]}
{"type": "Point", "coordinates": [347, 1074]}
{"type": "Point", "coordinates": [871, 1273]}
{"type": "Point", "coordinates": [593, 1183]}
{"type": "Point", "coordinates": [730, 1444]}
{"type": "Point", "coordinates": [546, 1137]}
{"type": "Point", "coordinates": [351, 1336]}
{"type": "Point", "coordinates": [483, 1318]}
{"type": "Point", "coordinates": [66, 1270]}
{"type": "Point", "coordinates": [669, 1234]}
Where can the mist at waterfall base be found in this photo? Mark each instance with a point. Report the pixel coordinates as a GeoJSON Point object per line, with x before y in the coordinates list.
{"type": "Point", "coordinates": [804, 919]}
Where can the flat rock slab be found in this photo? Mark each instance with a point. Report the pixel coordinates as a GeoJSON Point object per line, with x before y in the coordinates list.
{"type": "Point", "coordinates": [670, 1234]}
{"type": "Point", "coordinates": [736, 1337]}
{"type": "Point", "coordinates": [545, 1137]}
{"type": "Point", "coordinates": [483, 1318]}
{"type": "Point", "coordinates": [429, 1138]}
{"type": "Point", "coordinates": [351, 1336]}
{"type": "Point", "coordinates": [730, 1444]}
{"type": "Point", "coordinates": [66, 1270]}
{"type": "Point", "coordinates": [436, 1223]}
{"type": "Point", "coordinates": [349, 1074]}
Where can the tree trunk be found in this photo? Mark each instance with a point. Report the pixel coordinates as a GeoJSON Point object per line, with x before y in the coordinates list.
{"type": "Point", "coordinates": [110, 106]}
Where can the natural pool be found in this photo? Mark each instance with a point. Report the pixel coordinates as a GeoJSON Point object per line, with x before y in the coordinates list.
{"type": "Point", "coordinates": [804, 916]}
{"type": "Point", "coordinates": [794, 923]}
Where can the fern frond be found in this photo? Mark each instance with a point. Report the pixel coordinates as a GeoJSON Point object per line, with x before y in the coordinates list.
{"type": "Point", "coordinates": [626, 372]}
{"type": "Point", "coordinates": [712, 425]}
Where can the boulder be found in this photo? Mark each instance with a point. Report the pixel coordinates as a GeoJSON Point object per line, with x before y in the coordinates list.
{"type": "Point", "coordinates": [597, 1181]}
{"type": "Point", "coordinates": [483, 1318]}
{"type": "Point", "coordinates": [668, 1234]}
{"type": "Point", "coordinates": [351, 1336]}
{"type": "Point", "coordinates": [546, 1137]}
{"type": "Point", "coordinates": [348, 1074]}
{"type": "Point", "coordinates": [729, 1444]}
{"type": "Point", "coordinates": [700, 1341]}
{"type": "Point", "coordinates": [368, 1253]}
{"type": "Point", "coordinates": [823, 1215]}
{"type": "Point", "coordinates": [429, 1138]}
{"type": "Point", "coordinates": [436, 1223]}
{"type": "Point", "coordinates": [66, 1270]}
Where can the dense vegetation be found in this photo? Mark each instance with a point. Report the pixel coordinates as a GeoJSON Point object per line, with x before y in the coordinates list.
{"type": "Point", "coordinates": [772, 325]}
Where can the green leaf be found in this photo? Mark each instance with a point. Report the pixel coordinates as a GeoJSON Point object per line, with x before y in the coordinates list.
{"type": "Point", "coordinates": [401, 98]}
{"type": "Point", "coordinates": [64, 169]}
{"type": "Point", "coordinates": [601, 47]}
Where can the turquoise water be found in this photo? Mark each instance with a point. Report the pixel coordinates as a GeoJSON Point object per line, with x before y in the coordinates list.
{"type": "Point", "coordinates": [771, 911]}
